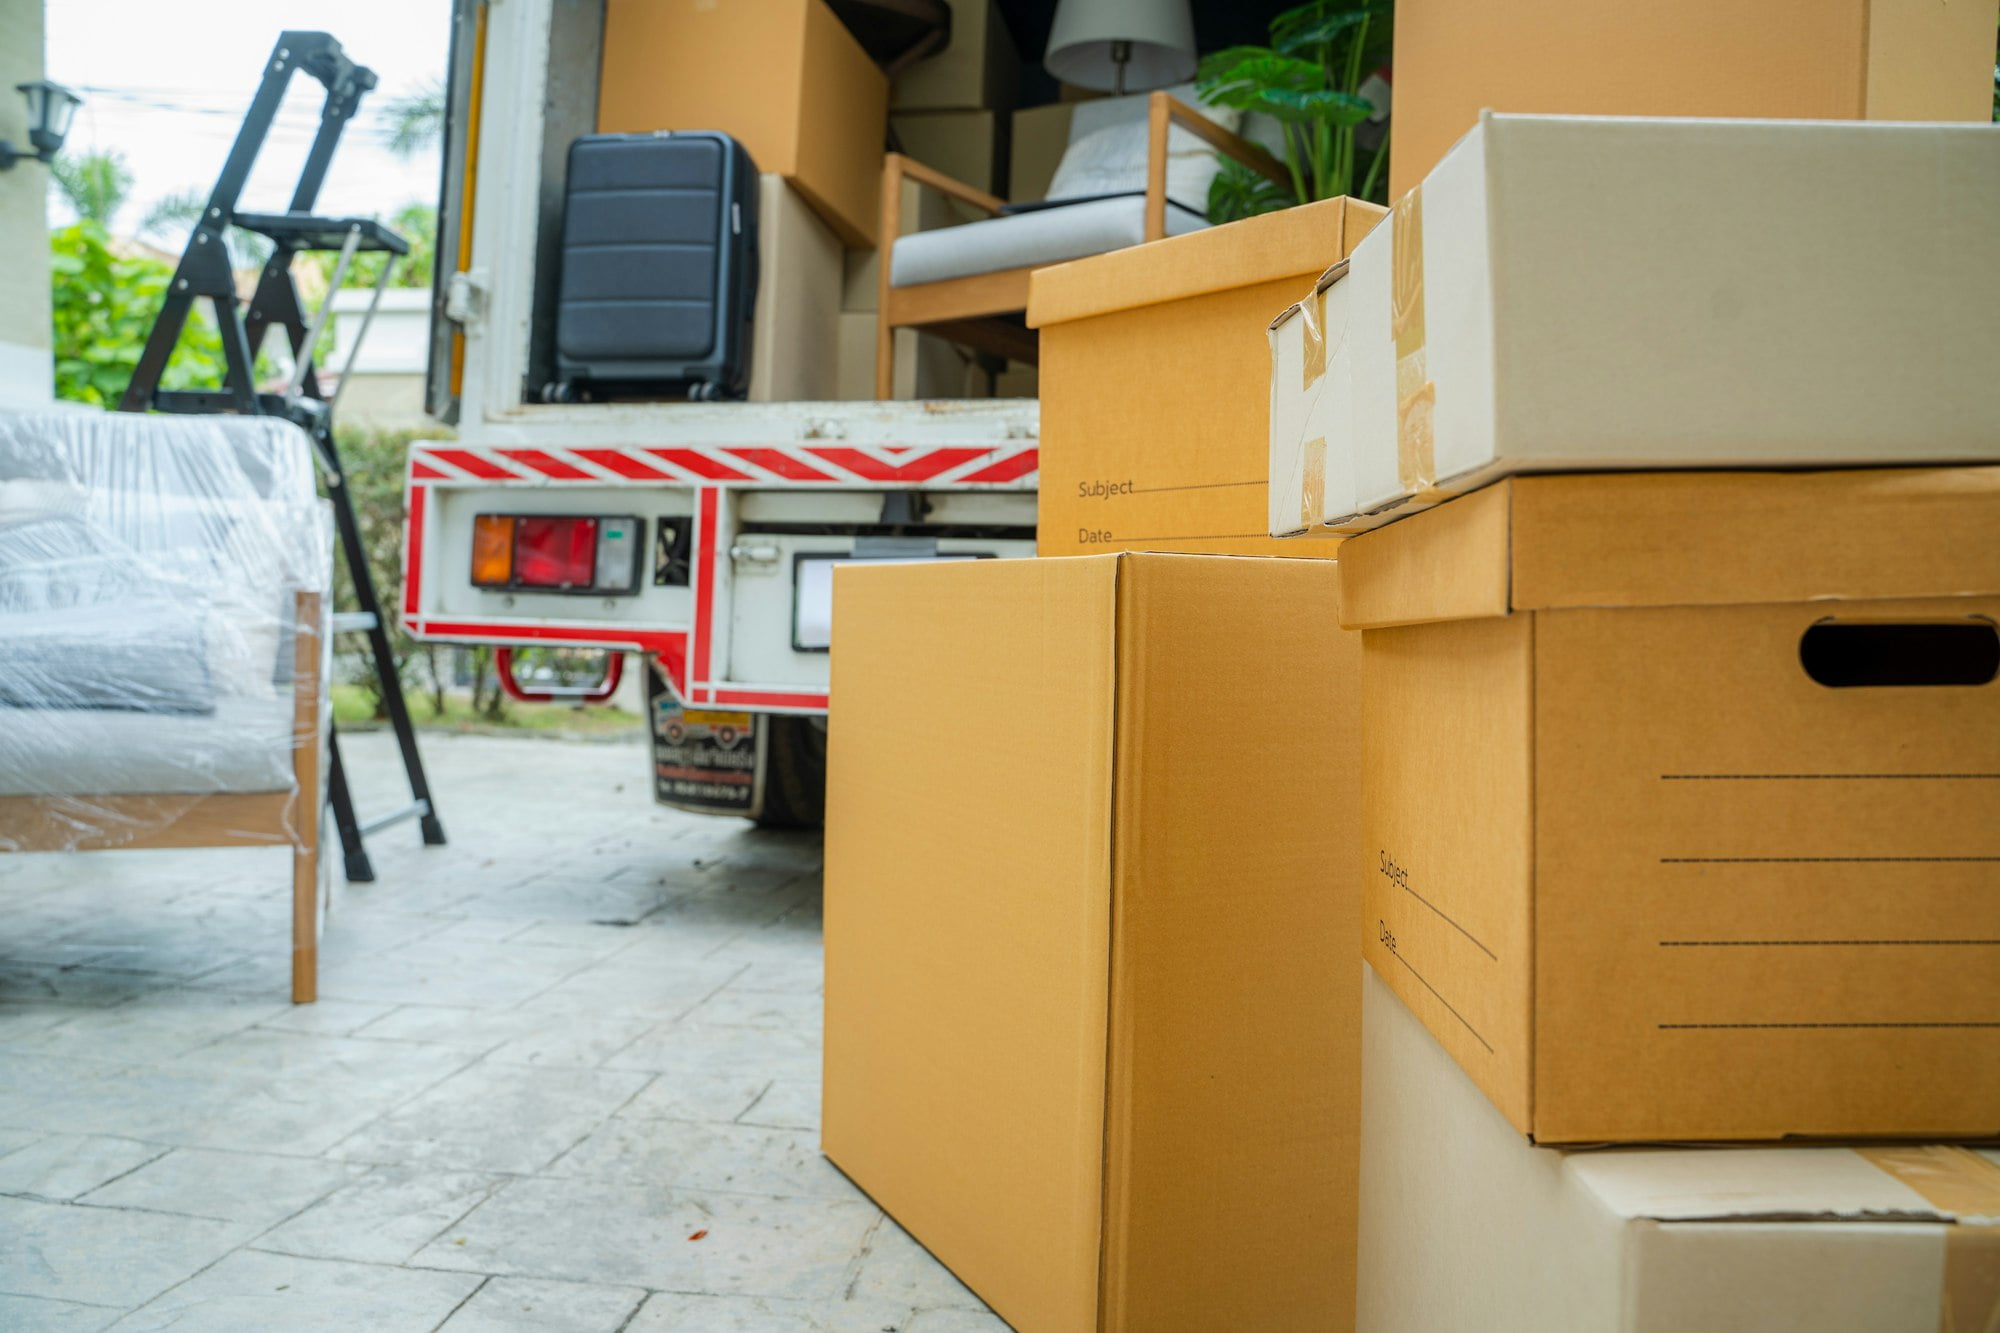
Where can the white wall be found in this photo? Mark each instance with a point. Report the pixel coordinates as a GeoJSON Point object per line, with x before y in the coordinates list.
{"type": "Point", "coordinates": [26, 377]}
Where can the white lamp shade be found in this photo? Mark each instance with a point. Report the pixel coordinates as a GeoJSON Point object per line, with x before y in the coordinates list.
{"type": "Point", "coordinates": [1161, 33]}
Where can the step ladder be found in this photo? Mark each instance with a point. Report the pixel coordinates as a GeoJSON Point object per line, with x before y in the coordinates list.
{"type": "Point", "coordinates": [205, 273]}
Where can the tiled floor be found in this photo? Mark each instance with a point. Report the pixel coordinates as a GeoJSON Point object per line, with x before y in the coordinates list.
{"type": "Point", "coordinates": [564, 1075]}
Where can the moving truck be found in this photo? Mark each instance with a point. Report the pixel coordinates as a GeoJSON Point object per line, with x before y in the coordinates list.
{"type": "Point", "coordinates": [700, 536]}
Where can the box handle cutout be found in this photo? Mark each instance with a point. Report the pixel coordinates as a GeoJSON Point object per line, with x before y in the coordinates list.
{"type": "Point", "coordinates": [1844, 656]}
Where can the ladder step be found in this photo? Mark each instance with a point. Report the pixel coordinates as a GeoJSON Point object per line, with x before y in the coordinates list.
{"type": "Point", "coordinates": [352, 622]}
{"type": "Point", "coordinates": [415, 810]}
{"type": "Point", "coordinates": [305, 231]}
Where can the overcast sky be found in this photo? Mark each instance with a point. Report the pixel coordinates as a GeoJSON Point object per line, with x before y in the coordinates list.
{"type": "Point", "coordinates": [166, 83]}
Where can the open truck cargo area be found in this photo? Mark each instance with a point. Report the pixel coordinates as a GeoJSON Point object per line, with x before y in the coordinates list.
{"type": "Point", "coordinates": [701, 535]}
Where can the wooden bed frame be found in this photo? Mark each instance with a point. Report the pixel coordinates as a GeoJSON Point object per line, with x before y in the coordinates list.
{"type": "Point", "coordinates": [225, 819]}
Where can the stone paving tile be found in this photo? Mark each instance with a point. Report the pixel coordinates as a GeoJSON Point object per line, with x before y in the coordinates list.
{"type": "Point", "coordinates": [65, 1166]}
{"type": "Point", "coordinates": [678, 1096]}
{"type": "Point", "coordinates": [251, 1292]}
{"type": "Point", "coordinates": [690, 1048]}
{"type": "Point", "coordinates": [257, 1188]}
{"type": "Point", "coordinates": [383, 1217]}
{"type": "Point", "coordinates": [67, 1251]}
{"type": "Point", "coordinates": [955, 1321]}
{"type": "Point", "coordinates": [644, 1235]}
{"type": "Point", "coordinates": [636, 988]}
{"type": "Point", "coordinates": [895, 1267]}
{"type": "Point", "coordinates": [789, 1103]}
{"type": "Point", "coordinates": [528, 1305]}
{"type": "Point", "coordinates": [733, 1006]}
{"type": "Point", "coordinates": [31, 1314]}
{"type": "Point", "coordinates": [151, 1029]}
{"type": "Point", "coordinates": [503, 1114]}
{"type": "Point", "coordinates": [672, 1312]}
{"type": "Point", "coordinates": [685, 1154]}
{"type": "Point", "coordinates": [491, 1117]}
{"type": "Point", "coordinates": [336, 1018]}
{"type": "Point", "coordinates": [514, 1036]}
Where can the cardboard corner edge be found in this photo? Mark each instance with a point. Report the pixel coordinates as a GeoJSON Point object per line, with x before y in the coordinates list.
{"type": "Point", "coordinates": [1452, 561]}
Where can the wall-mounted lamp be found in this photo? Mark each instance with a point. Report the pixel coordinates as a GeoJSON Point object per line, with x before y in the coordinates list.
{"type": "Point", "coordinates": [51, 107]}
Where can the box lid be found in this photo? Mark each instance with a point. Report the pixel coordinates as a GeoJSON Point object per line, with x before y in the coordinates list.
{"type": "Point", "coordinates": [1926, 1183]}
{"type": "Point", "coordinates": [1680, 539]}
{"type": "Point", "coordinates": [1291, 243]}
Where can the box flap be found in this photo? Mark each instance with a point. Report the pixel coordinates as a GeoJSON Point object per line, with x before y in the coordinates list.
{"type": "Point", "coordinates": [1294, 242]}
{"type": "Point", "coordinates": [1681, 539]}
{"type": "Point", "coordinates": [1918, 1183]}
{"type": "Point", "coordinates": [1326, 280]}
{"type": "Point", "coordinates": [968, 939]}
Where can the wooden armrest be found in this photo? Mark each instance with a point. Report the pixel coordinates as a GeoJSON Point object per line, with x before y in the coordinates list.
{"type": "Point", "coordinates": [899, 165]}
{"type": "Point", "coordinates": [1163, 112]}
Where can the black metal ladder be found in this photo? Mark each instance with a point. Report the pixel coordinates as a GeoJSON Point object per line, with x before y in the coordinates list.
{"type": "Point", "coordinates": [205, 273]}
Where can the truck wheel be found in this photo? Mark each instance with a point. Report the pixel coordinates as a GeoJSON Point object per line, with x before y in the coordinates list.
{"type": "Point", "coordinates": [794, 773]}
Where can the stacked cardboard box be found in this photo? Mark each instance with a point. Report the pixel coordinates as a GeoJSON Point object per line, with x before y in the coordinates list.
{"type": "Point", "coordinates": [1549, 300]}
{"type": "Point", "coordinates": [1678, 791]}
{"type": "Point", "coordinates": [1154, 381]}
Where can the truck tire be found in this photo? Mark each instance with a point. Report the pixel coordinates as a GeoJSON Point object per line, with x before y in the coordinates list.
{"type": "Point", "coordinates": [794, 773]}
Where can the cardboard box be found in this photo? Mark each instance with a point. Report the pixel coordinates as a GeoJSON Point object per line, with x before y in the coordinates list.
{"type": "Point", "coordinates": [1040, 136]}
{"type": "Point", "coordinates": [926, 367]}
{"type": "Point", "coordinates": [1565, 311]}
{"type": "Point", "coordinates": [783, 76]}
{"type": "Point", "coordinates": [796, 329]}
{"type": "Point", "coordinates": [1155, 373]}
{"type": "Point", "coordinates": [1784, 59]}
{"type": "Point", "coordinates": [1463, 1226]}
{"type": "Point", "coordinates": [978, 69]}
{"type": "Point", "coordinates": [968, 146]}
{"type": "Point", "coordinates": [1083, 1040]}
{"type": "Point", "coordinates": [1669, 834]}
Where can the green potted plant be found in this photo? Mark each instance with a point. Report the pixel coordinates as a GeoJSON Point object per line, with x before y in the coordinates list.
{"type": "Point", "coordinates": [1309, 81]}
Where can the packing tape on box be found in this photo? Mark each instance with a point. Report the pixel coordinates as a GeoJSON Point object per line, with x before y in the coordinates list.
{"type": "Point", "coordinates": [1311, 313]}
{"type": "Point", "coordinates": [1416, 454]}
{"type": "Point", "coordinates": [1965, 1185]}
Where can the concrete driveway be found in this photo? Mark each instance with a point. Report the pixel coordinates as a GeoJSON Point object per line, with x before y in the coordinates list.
{"type": "Point", "coordinates": [563, 1075]}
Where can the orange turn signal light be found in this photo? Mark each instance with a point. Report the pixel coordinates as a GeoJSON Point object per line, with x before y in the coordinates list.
{"type": "Point", "coordinates": [493, 550]}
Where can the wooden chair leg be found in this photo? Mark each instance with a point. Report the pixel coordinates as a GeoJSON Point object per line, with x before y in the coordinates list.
{"type": "Point", "coordinates": [307, 737]}
{"type": "Point", "coordinates": [885, 358]}
{"type": "Point", "coordinates": [305, 922]}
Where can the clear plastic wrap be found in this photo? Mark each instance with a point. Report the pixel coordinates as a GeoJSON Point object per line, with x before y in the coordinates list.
{"type": "Point", "coordinates": [153, 570]}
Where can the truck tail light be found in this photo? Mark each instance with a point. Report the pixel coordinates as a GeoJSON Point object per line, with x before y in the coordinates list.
{"type": "Point", "coordinates": [492, 550]}
{"type": "Point", "coordinates": [557, 552]}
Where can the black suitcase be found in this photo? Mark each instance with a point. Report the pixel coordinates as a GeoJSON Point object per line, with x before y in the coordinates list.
{"type": "Point", "coordinates": [659, 265]}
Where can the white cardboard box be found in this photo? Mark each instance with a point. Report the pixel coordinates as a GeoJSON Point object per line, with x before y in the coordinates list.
{"type": "Point", "coordinates": [1578, 293]}
{"type": "Point", "coordinates": [1465, 1226]}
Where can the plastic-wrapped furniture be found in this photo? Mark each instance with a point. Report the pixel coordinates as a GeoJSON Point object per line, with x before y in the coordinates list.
{"type": "Point", "coordinates": [164, 583]}
{"type": "Point", "coordinates": [1136, 169]}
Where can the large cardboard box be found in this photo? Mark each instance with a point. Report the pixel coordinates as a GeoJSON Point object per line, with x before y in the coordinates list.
{"type": "Point", "coordinates": [795, 332]}
{"type": "Point", "coordinates": [1155, 374]}
{"type": "Point", "coordinates": [1679, 798]}
{"type": "Point", "coordinates": [1547, 301]}
{"type": "Point", "coordinates": [978, 68]}
{"type": "Point", "coordinates": [1088, 1034]}
{"type": "Point", "coordinates": [1463, 1226]}
{"type": "Point", "coordinates": [1039, 137]}
{"type": "Point", "coordinates": [968, 146]}
{"type": "Point", "coordinates": [783, 76]}
{"type": "Point", "coordinates": [1785, 59]}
